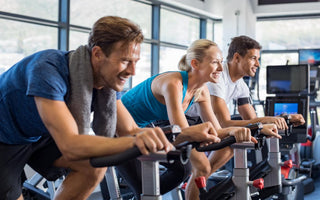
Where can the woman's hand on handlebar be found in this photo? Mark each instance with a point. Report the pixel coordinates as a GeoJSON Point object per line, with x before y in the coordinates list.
{"type": "Point", "coordinates": [241, 134]}
{"type": "Point", "coordinates": [270, 130]}
{"type": "Point", "coordinates": [152, 140]}
{"type": "Point", "coordinates": [203, 133]}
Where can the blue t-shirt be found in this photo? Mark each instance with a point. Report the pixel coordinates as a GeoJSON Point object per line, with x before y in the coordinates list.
{"type": "Point", "coordinates": [43, 74]}
{"type": "Point", "coordinates": [144, 107]}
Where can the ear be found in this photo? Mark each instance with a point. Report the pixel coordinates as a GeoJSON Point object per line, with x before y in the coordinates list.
{"type": "Point", "coordinates": [96, 56]}
{"type": "Point", "coordinates": [96, 52]}
{"type": "Point", "coordinates": [195, 63]}
{"type": "Point", "coordinates": [236, 57]}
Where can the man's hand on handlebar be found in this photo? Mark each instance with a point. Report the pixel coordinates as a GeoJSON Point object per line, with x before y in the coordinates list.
{"type": "Point", "coordinates": [270, 130]}
{"type": "Point", "coordinates": [151, 140]}
{"type": "Point", "coordinates": [203, 133]}
{"type": "Point", "coordinates": [297, 119]}
{"type": "Point", "coordinates": [279, 121]}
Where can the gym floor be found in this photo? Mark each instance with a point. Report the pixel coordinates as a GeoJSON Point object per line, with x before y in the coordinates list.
{"type": "Point", "coordinates": [316, 193]}
{"type": "Point", "coordinates": [311, 196]}
{"type": "Point", "coordinates": [96, 195]}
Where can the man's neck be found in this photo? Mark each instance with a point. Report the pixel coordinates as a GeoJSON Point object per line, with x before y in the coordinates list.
{"type": "Point", "coordinates": [234, 73]}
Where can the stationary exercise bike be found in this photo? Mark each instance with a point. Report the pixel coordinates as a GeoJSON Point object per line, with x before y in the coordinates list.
{"type": "Point", "coordinates": [237, 186]}
{"type": "Point", "coordinates": [150, 164]}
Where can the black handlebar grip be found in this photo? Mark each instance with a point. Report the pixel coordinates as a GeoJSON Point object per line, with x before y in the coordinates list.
{"type": "Point", "coordinates": [216, 146]}
{"type": "Point", "coordinates": [131, 153]}
{"type": "Point", "coordinates": [174, 129]}
{"type": "Point", "coordinates": [115, 159]}
{"type": "Point", "coordinates": [255, 128]}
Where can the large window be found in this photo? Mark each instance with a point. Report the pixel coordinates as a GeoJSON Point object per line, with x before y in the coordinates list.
{"type": "Point", "coordinates": [289, 34]}
{"type": "Point", "coordinates": [18, 40]}
{"type": "Point", "coordinates": [178, 28]}
{"type": "Point", "coordinates": [85, 13]}
{"type": "Point", "coordinates": [281, 38]}
{"type": "Point", "coordinates": [77, 38]}
{"type": "Point", "coordinates": [218, 34]}
{"type": "Point", "coordinates": [31, 26]}
{"type": "Point", "coordinates": [169, 58]}
{"type": "Point", "coordinates": [143, 68]}
{"type": "Point", "coordinates": [45, 9]}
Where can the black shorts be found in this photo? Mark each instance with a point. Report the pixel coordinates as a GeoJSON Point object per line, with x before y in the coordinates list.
{"type": "Point", "coordinates": [39, 156]}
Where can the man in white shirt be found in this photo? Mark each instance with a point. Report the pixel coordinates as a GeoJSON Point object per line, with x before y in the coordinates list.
{"type": "Point", "coordinates": [242, 60]}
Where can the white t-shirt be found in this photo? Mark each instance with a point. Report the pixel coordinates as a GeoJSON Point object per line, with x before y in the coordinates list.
{"type": "Point", "coordinates": [228, 90]}
{"type": "Point", "coordinates": [225, 89]}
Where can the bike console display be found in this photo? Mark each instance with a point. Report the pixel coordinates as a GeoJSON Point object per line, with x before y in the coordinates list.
{"type": "Point", "coordinates": [276, 106]}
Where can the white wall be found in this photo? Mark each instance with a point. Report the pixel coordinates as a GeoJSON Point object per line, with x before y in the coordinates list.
{"type": "Point", "coordinates": [238, 19]}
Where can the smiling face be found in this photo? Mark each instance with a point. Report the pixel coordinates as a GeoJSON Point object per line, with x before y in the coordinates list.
{"type": "Point", "coordinates": [211, 65]}
{"type": "Point", "coordinates": [250, 62]}
{"type": "Point", "coordinates": [113, 71]}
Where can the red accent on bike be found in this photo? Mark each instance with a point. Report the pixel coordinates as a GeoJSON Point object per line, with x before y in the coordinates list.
{"type": "Point", "coordinates": [184, 186]}
{"type": "Point", "coordinates": [258, 183]}
{"type": "Point", "coordinates": [288, 164]}
{"type": "Point", "coordinates": [200, 182]}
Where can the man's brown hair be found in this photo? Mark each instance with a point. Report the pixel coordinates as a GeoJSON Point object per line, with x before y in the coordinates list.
{"type": "Point", "coordinates": [241, 45]}
{"type": "Point", "coordinates": [111, 29]}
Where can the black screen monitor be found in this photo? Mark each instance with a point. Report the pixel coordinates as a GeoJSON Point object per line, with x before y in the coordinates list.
{"type": "Point", "coordinates": [309, 56]}
{"type": "Point", "coordinates": [276, 106]}
{"type": "Point", "coordinates": [288, 79]}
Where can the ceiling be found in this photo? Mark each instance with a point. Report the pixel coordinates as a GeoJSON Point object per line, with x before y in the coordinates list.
{"type": "Point", "coordinates": [271, 2]}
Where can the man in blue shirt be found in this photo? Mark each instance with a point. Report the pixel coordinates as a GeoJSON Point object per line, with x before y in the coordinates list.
{"type": "Point", "coordinates": [45, 104]}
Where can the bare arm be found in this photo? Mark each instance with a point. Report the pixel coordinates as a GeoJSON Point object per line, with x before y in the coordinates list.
{"type": "Point", "coordinates": [63, 128]}
{"type": "Point", "coordinates": [247, 112]}
{"type": "Point", "coordinates": [222, 112]}
{"type": "Point", "coordinates": [172, 95]}
{"type": "Point", "coordinates": [170, 91]}
{"type": "Point", "coordinates": [207, 114]}
{"type": "Point", "coordinates": [125, 123]}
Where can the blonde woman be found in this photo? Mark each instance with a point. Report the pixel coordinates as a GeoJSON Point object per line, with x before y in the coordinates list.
{"type": "Point", "coordinates": [167, 96]}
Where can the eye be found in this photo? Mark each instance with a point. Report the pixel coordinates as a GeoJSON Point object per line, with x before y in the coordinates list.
{"type": "Point", "coordinates": [125, 62]}
{"type": "Point", "coordinates": [217, 62]}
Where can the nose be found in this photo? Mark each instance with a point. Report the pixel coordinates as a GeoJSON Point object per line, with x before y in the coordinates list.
{"type": "Point", "coordinates": [220, 67]}
{"type": "Point", "coordinates": [131, 68]}
{"type": "Point", "coordinates": [257, 63]}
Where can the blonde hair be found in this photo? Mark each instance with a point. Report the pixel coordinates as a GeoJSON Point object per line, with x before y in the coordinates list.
{"type": "Point", "coordinates": [197, 50]}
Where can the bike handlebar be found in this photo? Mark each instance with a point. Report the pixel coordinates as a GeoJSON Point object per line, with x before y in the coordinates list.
{"type": "Point", "coordinates": [182, 151]}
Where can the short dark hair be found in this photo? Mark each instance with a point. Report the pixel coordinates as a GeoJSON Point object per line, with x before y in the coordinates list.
{"type": "Point", "coordinates": [109, 30]}
{"type": "Point", "coordinates": [241, 45]}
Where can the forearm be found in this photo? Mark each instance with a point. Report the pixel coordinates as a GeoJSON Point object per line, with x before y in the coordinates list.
{"type": "Point", "coordinates": [133, 130]}
{"type": "Point", "coordinates": [224, 132]}
{"type": "Point", "coordinates": [87, 146]}
{"type": "Point", "coordinates": [228, 123]}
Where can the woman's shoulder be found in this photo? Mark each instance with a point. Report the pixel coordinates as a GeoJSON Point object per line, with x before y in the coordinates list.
{"type": "Point", "coordinates": [169, 80]}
